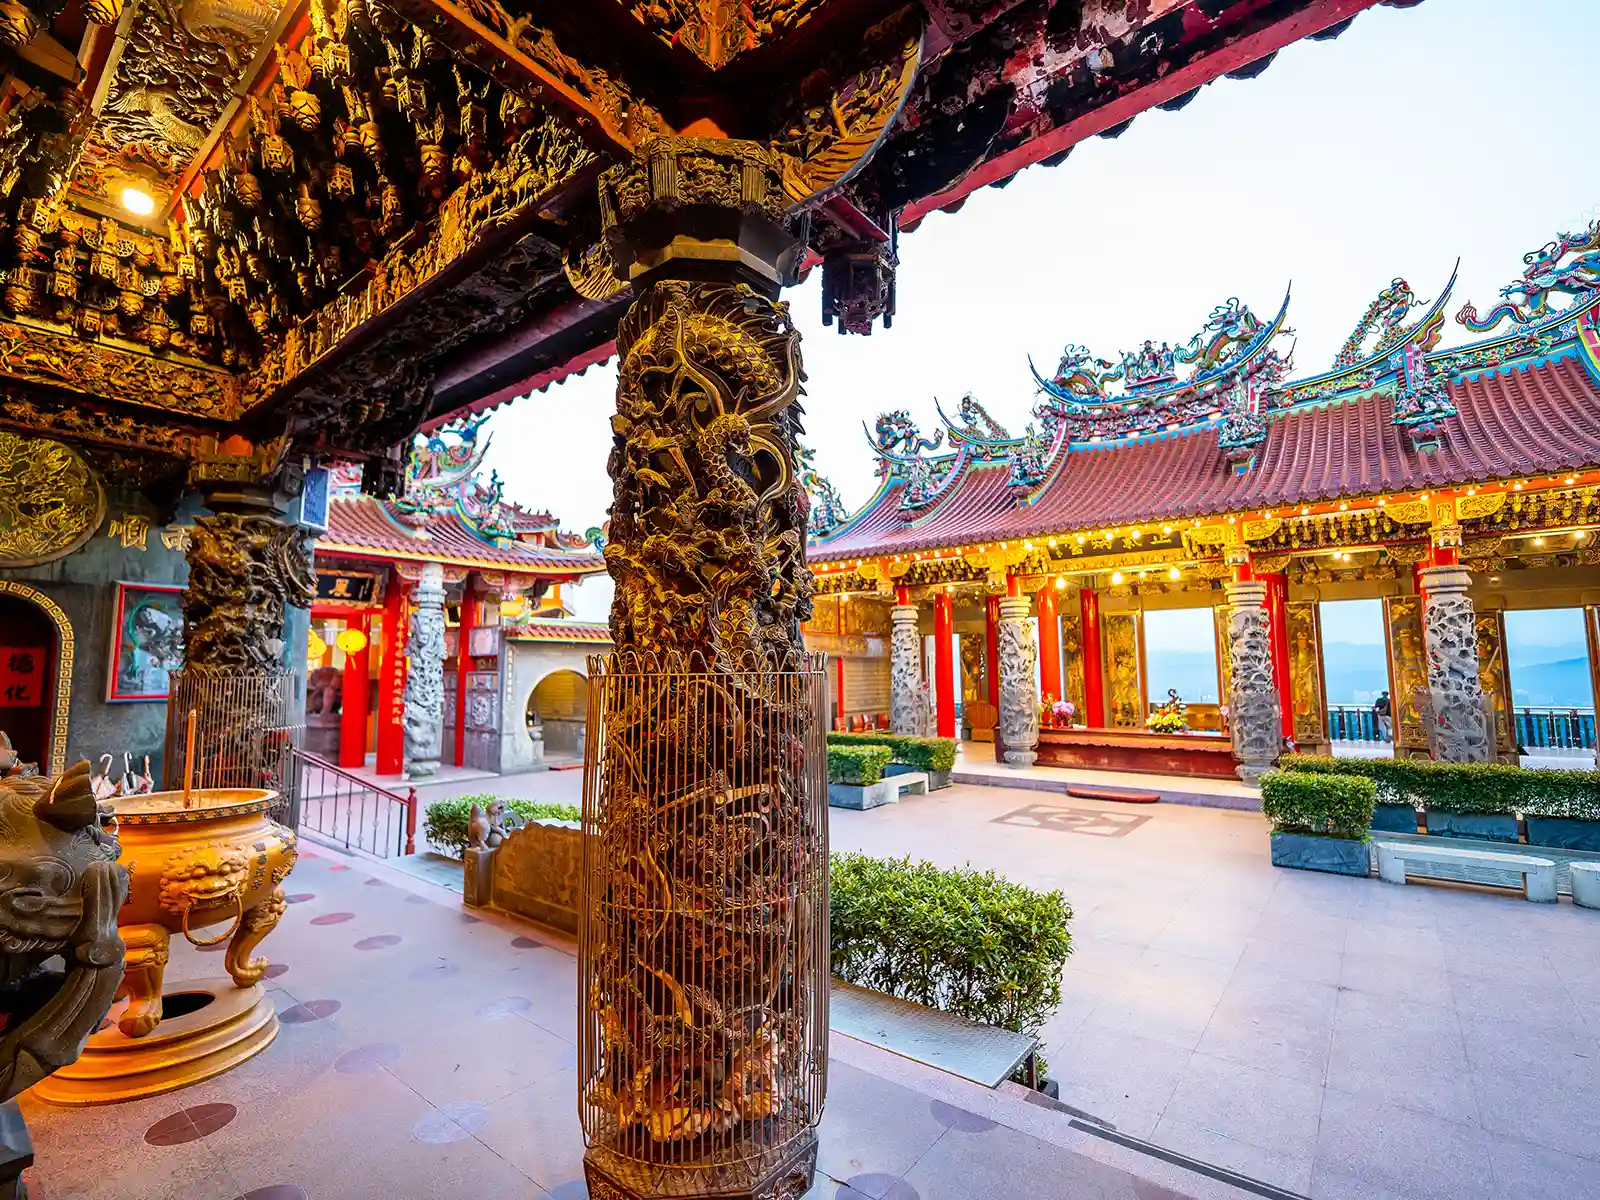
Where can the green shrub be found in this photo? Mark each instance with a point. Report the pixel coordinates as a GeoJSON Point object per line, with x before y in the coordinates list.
{"type": "Point", "coordinates": [445, 821]}
{"type": "Point", "coordinates": [1483, 788]}
{"type": "Point", "coordinates": [923, 753]}
{"type": "Point", "coordinates": [967, 942]}
{"type": "Point", "coordinates": [1323, 805]}
{"type": "Point", "coordinates": [861, 765]}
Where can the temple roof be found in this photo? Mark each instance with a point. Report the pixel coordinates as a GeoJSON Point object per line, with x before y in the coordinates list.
{"type": "Point", "coordinates": [537, 630]}
{"type": "Point", "coordinates": [1400, 417]}
{"type": "Point", "coordinates": [372, 528]}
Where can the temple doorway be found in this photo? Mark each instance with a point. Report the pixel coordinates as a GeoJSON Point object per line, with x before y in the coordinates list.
{"type": "Point", "coordinates": [559, 706]}
{"type": "Point", "coordinates": [1355, 676]}
{"type": "Point", "coordinates": [1548, 662]}
{"type": "Point", "coordinates": [29, 658]}
{"type": "Point", "coordinates": [1180, 656]}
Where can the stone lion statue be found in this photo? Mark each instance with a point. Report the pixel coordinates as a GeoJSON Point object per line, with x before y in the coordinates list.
{"type": "Point", "coordinates": [60, 890]}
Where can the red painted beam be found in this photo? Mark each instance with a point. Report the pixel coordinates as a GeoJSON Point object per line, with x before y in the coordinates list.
{"type": "Point", "coordinates": [1314, 18]}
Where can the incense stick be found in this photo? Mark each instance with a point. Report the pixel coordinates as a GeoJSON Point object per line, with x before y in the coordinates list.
{"type": "Point", "coordinates": [188, 760]}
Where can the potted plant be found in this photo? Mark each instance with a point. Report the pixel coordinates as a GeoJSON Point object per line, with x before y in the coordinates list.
{"type": "Point", "coordinates": [1395, 812]}
{"type": "Point", "coordinates": [1469, 800]}
{"type": "Point", "coordinates": [1319, 822]}
{"type": "Point", "coordinates": [1062, 713]}
{"type": "Point", "coordinates": [855, 777]}
{"type": "Point", "coordinates": [1170, 717]}
{"type": "Point", "coordinates": [1562, 809]}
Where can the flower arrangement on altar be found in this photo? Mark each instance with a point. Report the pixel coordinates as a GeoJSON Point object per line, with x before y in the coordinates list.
{"type": "Point", "coordinates": [1171, 717]}
{"type": "Point", "coordinates": [1056, 714]}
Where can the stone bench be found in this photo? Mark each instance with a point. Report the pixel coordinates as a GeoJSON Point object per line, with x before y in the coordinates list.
{"type": "Point", "coordinates": [1586, 884]}
{"type": "Point", "coordinates": [887, 790]}
{"type": "Point", "coordinates": [1538, 874]}
{"type": "Point", "coordinates": [980, 1053]}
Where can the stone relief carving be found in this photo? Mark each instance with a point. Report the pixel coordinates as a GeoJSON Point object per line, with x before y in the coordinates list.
{"type": "Point", "coordinates": [424, 694]}
{"type": "Point", "coordinates": [1253, 714]}
{"type": "Point", "coordinates": [905, 673]}
{"type": "Point", "coordinates": [245, 568]}
{"type": "Point", "coordinates": [1450, 630]}
{"type": "Point", "coordinates": [1019, 694]}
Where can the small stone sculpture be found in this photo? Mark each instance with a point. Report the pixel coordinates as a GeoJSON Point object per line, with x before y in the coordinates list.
{"type": "Point", "coordinates": [477, 829]}
{"type": "Point", "coordinates": [503, 821]}
{"type": "Point", "coordinates": [61, 893]}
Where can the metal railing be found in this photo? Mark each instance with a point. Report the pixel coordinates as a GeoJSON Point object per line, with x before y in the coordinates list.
{"type": "Point", "coordinates": [1354, 723]}
{"type": "Point", "coordinates": [1555, 729]}
{"type": "Point", "coordinates": [327, 800]}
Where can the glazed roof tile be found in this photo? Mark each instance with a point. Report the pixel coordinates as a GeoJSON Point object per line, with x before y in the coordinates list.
{"type": "Point", "coordinates": [1535, 419]}
{"type": "Point", "coordinates": [367, 526]}
{"type": "Point", "coordinates": [536, 630]}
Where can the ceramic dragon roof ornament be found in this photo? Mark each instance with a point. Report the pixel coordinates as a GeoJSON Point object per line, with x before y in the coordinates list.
{"type": "Point", "coordinates": [1156, 394]}
{"type": "Point", "coordinates": [976, 428]}
{"type": "Point", "coordinates": [828, 511]}
{"type": "Point", "coordinates": [900, 446]}
{"type": "Point", "coordinates": [1568, 266]}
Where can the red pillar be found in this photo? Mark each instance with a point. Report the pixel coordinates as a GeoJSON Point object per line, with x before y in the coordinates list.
{"type": "Point", "coordinates": [839, 673]}
{"type": "Point", "coordinates": [1278, 626]}
{"type": "Point", "coordinates": [469, 622]}
{"type": "Point", "coordinates": [392, 678]}
{"type": "Point", "coordinates": [991, 648]}
{"type": "Point", "coordinates": [1049, 643]}
{"type": "Point", "coordinates": [1094, 697]}
{"type": "Point", "coordinates": [353, 698]}
{"type": "Point", "coordinates": [944, 667]}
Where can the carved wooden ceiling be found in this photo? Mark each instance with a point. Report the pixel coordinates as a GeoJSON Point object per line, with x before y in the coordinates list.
{"type": "Point", "coordinates": [367, 213]}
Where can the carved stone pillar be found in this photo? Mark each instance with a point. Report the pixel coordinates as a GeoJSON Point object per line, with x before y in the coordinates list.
{"type": "Point", "coordinates": [1019, 693]}
{"type": "Point", "coordinates": [423, 716]}
{"type": "Point", "coordinates": [905, 672]}
{"type": "Point", "coordinates": [1253, 714]}
{"type": "Point", "coordinates": [1460, 732]}
{"type": "Point", "coordinates": [247, 566]}
{"type": "Point", "coordinates": [702, 979]}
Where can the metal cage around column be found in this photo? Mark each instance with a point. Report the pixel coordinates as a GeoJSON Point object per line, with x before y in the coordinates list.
{"type": "Point", "coordinates": [703, 967]}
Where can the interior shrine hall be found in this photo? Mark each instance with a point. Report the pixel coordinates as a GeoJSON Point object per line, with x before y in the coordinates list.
{"type": "Point", "coordinates": [341, 859]}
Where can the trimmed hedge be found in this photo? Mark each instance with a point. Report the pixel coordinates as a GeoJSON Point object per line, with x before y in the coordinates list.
{"type": "Point", "coordinates": [1484, 788]}
{"type": "Point", "coordinates": [445, 821]}
{"type": "Point", "coordinates": [861, 765]}
{"type": "Point", "coordinates": [967, 942]}
{"type": "Point", "coordinates": [1321, 805]}
{"type": "Point", "coordinates": [923, 753]}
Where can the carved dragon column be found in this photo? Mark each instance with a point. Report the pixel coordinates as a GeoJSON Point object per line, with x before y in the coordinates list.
{"type": "Point", "coordinates": [905, 672]}
{"type": "Point", "coordinates": [1019, 693]}
{"type": "Point", "coordinates": [1253, 698]}
{"type": "Point", "coordinates": [703, 975]}
{"type": "Point", "coordinates": [423, 713]}
{"type": "Point", "coordinates": [1451, 632]}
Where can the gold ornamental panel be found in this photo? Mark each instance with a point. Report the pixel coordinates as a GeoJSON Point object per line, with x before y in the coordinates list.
{"type": "Point", "coordinates": [1495, 681]}
{"type": "Point", "coordinates": [1305, 674]}
{"type": "Point", "coordinates": [1124, 686]}
{"type": "Point", "coordinates": [51, 501]}
{"type": "Point", "coordinates": [1408, 673]}
{"type": "Point", "coordinates": [1072, 685]}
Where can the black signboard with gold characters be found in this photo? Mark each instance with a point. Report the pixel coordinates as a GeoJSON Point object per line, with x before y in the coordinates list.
{"type": "Point", "coordinates": [351, 587]}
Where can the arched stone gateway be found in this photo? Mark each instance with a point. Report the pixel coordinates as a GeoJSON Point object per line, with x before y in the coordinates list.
{"type": "Point", "coordinates": [56, 697]}
{"type": "Point", "coordinates": [559, 705]}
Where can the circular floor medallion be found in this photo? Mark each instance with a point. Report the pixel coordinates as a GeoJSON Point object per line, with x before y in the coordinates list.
{"type": "Point", "coordinates": [310, 1010]}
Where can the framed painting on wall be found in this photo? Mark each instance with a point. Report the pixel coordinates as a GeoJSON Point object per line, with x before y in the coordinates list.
{"type": "Point", "coordinates": [146, 641]}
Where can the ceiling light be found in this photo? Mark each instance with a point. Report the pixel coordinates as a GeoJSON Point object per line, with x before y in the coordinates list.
{"type": "Point", "coordinates": [1538, 541]}
{"type": "Point", "coordinates": [138, 201]}
{"type": "Point", "coordinates": [1116, 577]}
{"type": "Point", "coordinates": [1060, 583]}
{"type": "Point", "coordinates": [1516, 487]}
{"type": "Point", "coordinates": [1174, 574]}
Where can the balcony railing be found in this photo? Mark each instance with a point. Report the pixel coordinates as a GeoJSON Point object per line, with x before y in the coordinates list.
{"type": "Point", "coordinates": [344, 808]}
{"type": "Point", "coordinates": [1538, 729]}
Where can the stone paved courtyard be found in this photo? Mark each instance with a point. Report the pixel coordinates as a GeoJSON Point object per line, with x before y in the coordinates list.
{"type": "Point", "coordinates": [1332, 1037]}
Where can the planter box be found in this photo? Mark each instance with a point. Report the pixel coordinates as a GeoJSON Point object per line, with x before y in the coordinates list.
{"type": "Point", "coordinates": [1484, 827]}
{"type": "Point", "coordinates": [1339, 856]}
{"type": "Point", "coordinates": [1394, 818]}
{"type": "Point", "coordinates": [936, 779]}
{"type": "Point", "coordinates": [1563, 833]}
{"type": "Point", "coordinates": [855, 795]}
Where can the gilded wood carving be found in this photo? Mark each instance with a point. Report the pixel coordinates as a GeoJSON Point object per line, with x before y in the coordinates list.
{"type": "Point", "coordinates": [51, 501]}
{"type": "Point", "coordinates": [1305, 675]}
{"type": "Point", "coordinates": [1495, 681]}
{"type": "Point", "coordinates": [1124, 683]}
{"type": "Point", "coordinates": [1408, 672]}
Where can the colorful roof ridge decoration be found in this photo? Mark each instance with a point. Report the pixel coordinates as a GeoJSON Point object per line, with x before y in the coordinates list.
{"type": "Point", "coordinates": [1393, 415]}
{"type": "Point", "coordinates": [447, 512]}
{"type": "Point", "coordinates": [544, 629]}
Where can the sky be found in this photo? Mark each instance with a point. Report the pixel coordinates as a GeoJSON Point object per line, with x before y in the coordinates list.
{"type": "Point", "coordinates": [1455, 128]}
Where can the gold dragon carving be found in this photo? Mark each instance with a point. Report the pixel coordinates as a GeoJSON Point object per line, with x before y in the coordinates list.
{"type": "Point", "coordinates": [243, 570]}
{"type": "Point", "coordinates": [51, 502]}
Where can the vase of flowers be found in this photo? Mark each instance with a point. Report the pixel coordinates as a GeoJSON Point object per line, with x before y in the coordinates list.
{"type": "Point", "coordinates": [1170, 717]}
{"type": "Point", "coordinates": [1062, 713]}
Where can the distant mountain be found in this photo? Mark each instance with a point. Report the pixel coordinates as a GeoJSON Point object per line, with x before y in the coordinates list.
{"type": "Point", "coordinates": [1193, 673]}
{"type": "Point", "coordinates": [1357, 673]}
{"type": "Point", "coordinates": [1562, 684]}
